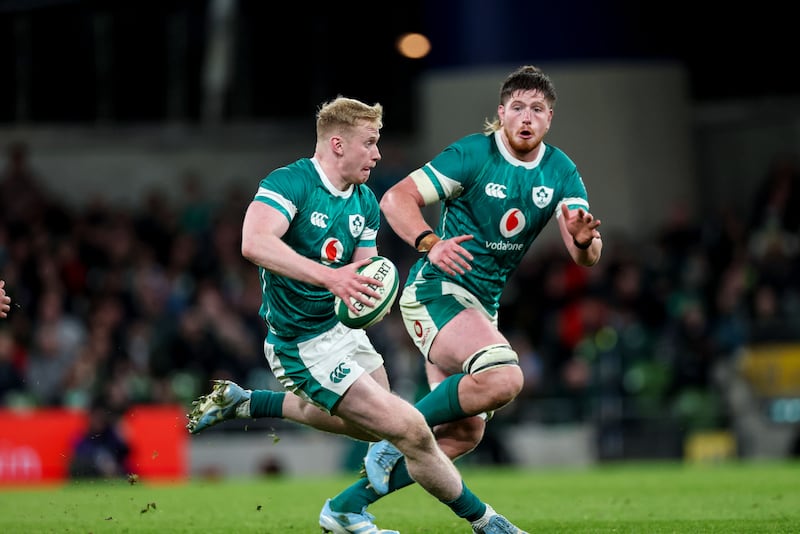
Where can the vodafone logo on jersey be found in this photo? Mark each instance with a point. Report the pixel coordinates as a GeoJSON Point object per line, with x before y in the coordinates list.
{"type": "Point", "coordinates": [418, 329]}
{"type": "Point", "coordinates": [332, 251]}
{"type": "Point", "coordinates": [422, 333]}
{"type": "Point", "coordinates": [512, 223]}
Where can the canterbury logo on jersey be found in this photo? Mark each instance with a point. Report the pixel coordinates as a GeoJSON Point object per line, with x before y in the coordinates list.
{"type": "Point", "coordinates": [495, 190]}
{"type": "Point", "coordinates": [339, 374]}
{"type": "Point", "coordinates": [542, 196]}
{"type": "Point", "coordinates": [319, 220]}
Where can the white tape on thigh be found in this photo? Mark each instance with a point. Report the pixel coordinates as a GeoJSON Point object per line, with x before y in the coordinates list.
{"type": "Point", "coordinates": [489, 358]}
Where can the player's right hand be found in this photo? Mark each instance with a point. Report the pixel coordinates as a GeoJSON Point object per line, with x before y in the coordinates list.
{"type": "Point", "coordinates": [346, 283]}
{"type": "Point", "coordinates": [449, 256]}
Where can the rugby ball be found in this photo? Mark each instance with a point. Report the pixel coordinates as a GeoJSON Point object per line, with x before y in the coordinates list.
{"type": "Point", "coordinates": [383, 270]}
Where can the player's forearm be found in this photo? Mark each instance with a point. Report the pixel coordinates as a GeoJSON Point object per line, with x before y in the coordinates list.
{"type": "Point", "coordinates": [273, 254]}
{"type": "Point", "coordinates": [589, 256]}
{"type": "Point", "coordinates": [404, 216]}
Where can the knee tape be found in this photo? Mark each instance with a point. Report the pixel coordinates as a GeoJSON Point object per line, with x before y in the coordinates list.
{"type": "Point", "coordinates": [489, 358]}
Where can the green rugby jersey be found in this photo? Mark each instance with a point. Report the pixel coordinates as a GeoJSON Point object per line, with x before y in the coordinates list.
{"type": "Point", "coordinates": [503, 202]}
{"type": "Point", "coordinates": [326, 225]}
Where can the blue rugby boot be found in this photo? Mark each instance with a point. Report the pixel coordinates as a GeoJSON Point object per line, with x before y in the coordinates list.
{"type": "Point", "coordinates": [379, 462]}
{"type": "Point", "coordinates": [349, 523]}
{"type": "Point", "coordinates": [226, 401]}
{"type": "Point", "coordinates": [497, 524]}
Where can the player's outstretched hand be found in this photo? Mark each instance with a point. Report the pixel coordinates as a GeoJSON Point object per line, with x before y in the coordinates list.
{"type": "Point", "coordinates": [5, 300]}
{"type": "Point", "coordinates": [581, 224]}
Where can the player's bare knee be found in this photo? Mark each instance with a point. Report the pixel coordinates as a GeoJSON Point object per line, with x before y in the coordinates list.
{"type": "Point", "coordinates": [496, 368]}
{"type": "Point", "coordinates": [508, 382]}
{"type": "Point", "coordinates": [415, 435]}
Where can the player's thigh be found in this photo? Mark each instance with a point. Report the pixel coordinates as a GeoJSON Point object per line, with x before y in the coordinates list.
{"type": "Point", "coordinates": [464, 335]}
{"type": "Point", "coordinates": [381, 377]}
{"type": "Point", "coordinates": [448, 327]}
{"type": "Point", "coordinates": [322, 369]}
{"type": "Point", "coordinates": [367, 403]}
{"type": "Point", "coordinates": [435, 374]}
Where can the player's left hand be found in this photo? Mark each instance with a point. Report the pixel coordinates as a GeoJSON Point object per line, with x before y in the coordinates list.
{"type": "Point", "coordinates": [5, 300]}
{"type": "Point", "coordinates": [581, 224]}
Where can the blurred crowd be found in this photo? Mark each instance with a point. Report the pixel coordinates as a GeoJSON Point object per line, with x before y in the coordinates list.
{"type": "Point", "coordinates": [121, 305]}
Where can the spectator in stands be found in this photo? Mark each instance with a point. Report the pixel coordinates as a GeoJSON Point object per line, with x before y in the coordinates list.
{"type": "Point", "coordinates": [57, 337]}
{"type": "Point", "coordinates": [10, 375]}
{"type": "Point", "coordinates": [102, 451]}
{"type": "Point", "coordinates": [777, 197]}
{"type": "Point", "coordinates": [26, 208]}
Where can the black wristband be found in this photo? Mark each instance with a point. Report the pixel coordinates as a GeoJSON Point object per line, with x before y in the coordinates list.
{"type": "Point", "coordinates": [584, 246]}
{"type": "Point", "coordinates": [420, 237]}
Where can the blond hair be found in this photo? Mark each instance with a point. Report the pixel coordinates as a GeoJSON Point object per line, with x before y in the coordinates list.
{"type": "Point", "coordinates": [341, 114]}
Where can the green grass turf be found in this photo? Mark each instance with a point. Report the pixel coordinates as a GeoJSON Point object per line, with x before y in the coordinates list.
{"type": "Point", "coordinates": [741, 497]}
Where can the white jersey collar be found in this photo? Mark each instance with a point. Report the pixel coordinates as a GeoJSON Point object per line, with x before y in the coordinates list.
{"type": "Point", "coordinates": [327, 183]}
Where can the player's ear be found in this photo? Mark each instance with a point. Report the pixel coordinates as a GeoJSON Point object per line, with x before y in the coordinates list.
{"type": "Point", "coordinates": [336, 145]}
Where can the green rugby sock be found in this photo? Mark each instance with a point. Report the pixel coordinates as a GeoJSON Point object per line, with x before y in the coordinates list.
{"type": "Point", "coordinates": [266, 403]}
{"type": "Point", "coordinates": [467, 505]}
{"type": "Point", "coordinates": [441, 405]}
{"type": "Point", "coordinates": [354, 498]}
{"type": "Point", "coordinates": [399, 477]}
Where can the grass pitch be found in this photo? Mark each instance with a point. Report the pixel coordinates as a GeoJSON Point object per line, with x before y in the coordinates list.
{"type": "Point", "coordinates": [742, 497]}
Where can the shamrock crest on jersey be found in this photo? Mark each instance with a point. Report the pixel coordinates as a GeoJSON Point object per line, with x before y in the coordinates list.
{"type": "Point", "coordinates": [356, 225]}
{"type": "Point", "coordinates": [542, 196]}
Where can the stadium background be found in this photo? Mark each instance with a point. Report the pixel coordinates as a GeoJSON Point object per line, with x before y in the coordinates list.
{"type": "Point", "coordinates": [145, 126]}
